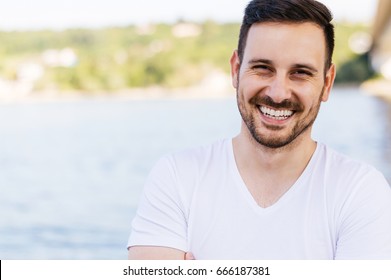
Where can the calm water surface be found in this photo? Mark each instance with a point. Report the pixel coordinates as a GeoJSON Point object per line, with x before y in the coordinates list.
{"type": "Point", "coordinates": [71, 173]}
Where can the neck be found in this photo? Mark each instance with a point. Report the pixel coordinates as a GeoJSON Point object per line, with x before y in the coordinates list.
{"type": "Point", "coordinates": [268, 173]}
{"type": "Point", "coordinates": [295, 154]}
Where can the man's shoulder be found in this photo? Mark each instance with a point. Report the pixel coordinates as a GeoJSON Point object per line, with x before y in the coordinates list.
{"type": "Point", "coordinates": [342, 162]}
{"type": "Point", "coordinates": [195, 161]}
{"type": "Point", "coordinates": [345, 170]}
{"type": "Point", "coordinates": [202, 153]}
{"type": "Point", "coordinates": [184, 169]}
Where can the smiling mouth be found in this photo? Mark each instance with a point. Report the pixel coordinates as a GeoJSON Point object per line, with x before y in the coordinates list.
{"type": "Point", "coordinates": [279, 115]}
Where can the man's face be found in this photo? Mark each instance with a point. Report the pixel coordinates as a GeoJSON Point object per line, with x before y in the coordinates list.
{"type": "Point", "coordinates": [281, 81]}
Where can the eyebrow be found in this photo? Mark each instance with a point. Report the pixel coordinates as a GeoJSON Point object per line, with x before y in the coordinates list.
{"type": "Point", "coordinates": [297, 65]}
{"type": "Point", "coordinates": [260, 60]}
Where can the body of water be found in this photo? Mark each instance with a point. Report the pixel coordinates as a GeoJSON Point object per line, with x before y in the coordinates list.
{"type": "Point", "coordinates": [71, 173]}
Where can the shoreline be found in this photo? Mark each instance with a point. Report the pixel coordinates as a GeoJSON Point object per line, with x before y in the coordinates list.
{"type": "Point", "coordinates": [150, 93]}
{"type": "Point", "coordinates": [380, 88]}
{"type": "Point", "coordinates": [377, 88]}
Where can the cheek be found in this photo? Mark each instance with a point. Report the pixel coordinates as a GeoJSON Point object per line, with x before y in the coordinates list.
{"type": "Point", "coordinates": [312, 98]}
{"type": "Point", "coordinates": [249, 86]}
{"type": "Point", "coordinates": [308, 90]}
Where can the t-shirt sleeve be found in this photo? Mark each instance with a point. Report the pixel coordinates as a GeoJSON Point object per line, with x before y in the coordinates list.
{"type": "Point", "coordinates": [160, 219]}
{"type": "Point", "coordinates": [365, 231]}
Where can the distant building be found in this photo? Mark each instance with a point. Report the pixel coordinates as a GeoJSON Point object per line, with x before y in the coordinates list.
{"type": "Point", "coordinates": [146, 29]}
{"type": "Point", "coordinates": [183, 30]}
{"type": "Point", "coordinates": [29, 72]}
{"type": "Point", "coordinates": [5, 88]}
{"type": "Point", "coordinates": [59, 58]}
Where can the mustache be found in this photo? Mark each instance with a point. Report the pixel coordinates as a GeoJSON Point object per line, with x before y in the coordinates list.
{"type": "Point", "coordinates": [268, 101]}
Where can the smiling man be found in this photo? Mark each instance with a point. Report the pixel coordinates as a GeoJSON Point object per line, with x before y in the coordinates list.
{"type": "Point", "coordinates": [272, 192]}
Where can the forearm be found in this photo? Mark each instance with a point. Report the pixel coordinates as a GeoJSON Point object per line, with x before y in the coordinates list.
{"type": "Point", "coordinates": [154, 253]}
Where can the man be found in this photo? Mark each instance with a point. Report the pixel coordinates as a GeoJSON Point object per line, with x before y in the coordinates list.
{"type": "Point", "coordinates": [272, 192]}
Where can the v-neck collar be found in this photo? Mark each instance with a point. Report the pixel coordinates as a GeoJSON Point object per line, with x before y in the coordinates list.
{"type": "Point", "coordinates": [242, 188]}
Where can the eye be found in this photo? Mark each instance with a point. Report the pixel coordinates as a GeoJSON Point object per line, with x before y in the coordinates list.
{"type": "Point", "coordinates": [302, 73]}
{"type": "Point", "coordinates": [262, 68]}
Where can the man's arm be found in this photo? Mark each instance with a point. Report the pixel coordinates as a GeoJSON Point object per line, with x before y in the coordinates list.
{"type": "Point", "coordinates": [154, 253]}
{"type": "Point", "coordinates": [159, 229]}
{"type": "Point", "coordinates": [365, 221]}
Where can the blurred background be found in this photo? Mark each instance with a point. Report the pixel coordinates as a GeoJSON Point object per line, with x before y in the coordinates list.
{"type": "Point", "coordinates": [92, 93]}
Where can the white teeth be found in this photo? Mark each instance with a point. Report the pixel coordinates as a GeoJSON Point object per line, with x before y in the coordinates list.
{"type": "Point", "coordinates": [276, 114]}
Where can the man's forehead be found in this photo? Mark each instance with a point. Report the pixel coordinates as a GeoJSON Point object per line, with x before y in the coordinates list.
{"type": "Point", "coordinates": [286, 24]}
{"type": "Point", "coordinates": [299, 28]}
{"type": "Point", "coordinates": [288, 40]}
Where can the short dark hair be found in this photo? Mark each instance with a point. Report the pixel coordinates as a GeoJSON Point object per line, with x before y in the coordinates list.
{"type": "Point", "coordinates": [289, 11]}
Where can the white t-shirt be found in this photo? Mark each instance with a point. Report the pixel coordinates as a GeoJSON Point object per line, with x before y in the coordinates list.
{"type": "Point", "coordinates": [196, 201]}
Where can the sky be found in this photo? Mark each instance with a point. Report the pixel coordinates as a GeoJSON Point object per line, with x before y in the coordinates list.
{"type": "Point", "coordinates": [55, 14]}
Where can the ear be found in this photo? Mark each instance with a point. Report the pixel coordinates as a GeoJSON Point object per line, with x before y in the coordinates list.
{"type": "Point", "coordinates": [329, 82]}
{"type": "Point", "coordinates": [235, 68]}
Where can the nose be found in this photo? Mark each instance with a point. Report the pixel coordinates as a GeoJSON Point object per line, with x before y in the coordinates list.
{"type": "Point", "coordinates": [279, 89]}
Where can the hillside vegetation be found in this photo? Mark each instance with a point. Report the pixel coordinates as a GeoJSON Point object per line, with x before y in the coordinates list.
{"type": "Point", "coordinates": [113, 59]}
